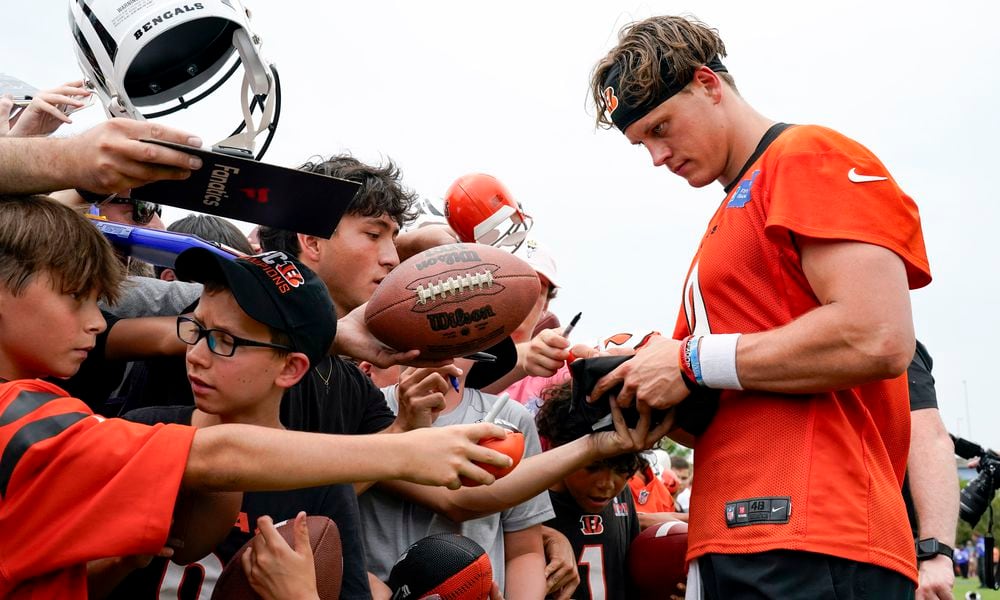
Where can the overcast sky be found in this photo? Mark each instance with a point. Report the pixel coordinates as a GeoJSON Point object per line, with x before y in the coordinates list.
{"type": "Point", "coordinates": [447, 88]}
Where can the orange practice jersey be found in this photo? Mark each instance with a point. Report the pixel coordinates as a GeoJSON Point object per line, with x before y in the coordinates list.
{"type": "Point", "coordinates": [811, 472]}
{"type": "Point", "coordinates": [75, 487]}
{"type": "Point", "coordinates": [652, 497]}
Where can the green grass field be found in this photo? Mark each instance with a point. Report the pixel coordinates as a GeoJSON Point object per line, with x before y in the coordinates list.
{"type": "Point", "coordinates": [964, 585]}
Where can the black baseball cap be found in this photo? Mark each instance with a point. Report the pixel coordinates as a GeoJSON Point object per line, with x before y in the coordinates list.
{"type": "Point", "coordinates": [272, 288]}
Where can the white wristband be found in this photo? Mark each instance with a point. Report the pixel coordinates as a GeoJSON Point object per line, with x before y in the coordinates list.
{"type": "Point", "coordinates": [717, 355]}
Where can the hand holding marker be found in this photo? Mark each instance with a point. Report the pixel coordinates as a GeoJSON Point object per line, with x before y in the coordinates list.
{"type": "Point", "coordinates": [566, 332]}
{"type": "Point", "coordinates": [512, 445]}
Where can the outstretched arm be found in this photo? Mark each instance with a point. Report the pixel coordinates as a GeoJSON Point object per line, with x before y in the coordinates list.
{"type": "Point", "coordinates": [533, 475]}
{"type": "Point", "coordinates": [107, 158]}
{"type": "Point", "coordinates": [248, 458]}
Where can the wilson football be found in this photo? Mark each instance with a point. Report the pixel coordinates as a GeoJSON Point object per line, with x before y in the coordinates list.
{"type": "Point", "coordinates": [452, 300]}
{"type": "Point", "coordinates": [327, 556]}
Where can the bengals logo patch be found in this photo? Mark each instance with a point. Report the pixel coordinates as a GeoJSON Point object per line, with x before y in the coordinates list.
{"type": "Point", "coordinates": [591, 524]}
{"type": "Point", "coordinates": [610, 100]}
{"type": "Point", "coordinates": [279, 269]}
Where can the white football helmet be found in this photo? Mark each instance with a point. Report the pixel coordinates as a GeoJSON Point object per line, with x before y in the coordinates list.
{"type": "Point", "coordinates": [138, 53]}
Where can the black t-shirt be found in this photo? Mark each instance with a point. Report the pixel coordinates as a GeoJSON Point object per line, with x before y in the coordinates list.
{"type": "Point", "coordinates": [918, 374]}
{"type": "Point", "coordinates": [335, 397]}
{"type": "Point", "coordinates": [163, 578]}
{"type": "Point", "coordinates": [97, 376]}
{"type": "Point", "coordinates": [600, 543]}
{"type": "Point", "coordinates": [922, 395]}
{"type": "Point", "coordinates": [155, 382]}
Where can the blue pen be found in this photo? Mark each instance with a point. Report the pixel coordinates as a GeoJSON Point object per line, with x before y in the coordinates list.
{"type": "Point", "coordinates": [454, 381]}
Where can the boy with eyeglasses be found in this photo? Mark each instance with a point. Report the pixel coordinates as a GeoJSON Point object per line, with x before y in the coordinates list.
{"type": "Point", "coordinates": [265, 320]}
{"type": "Point", "coordinates": [75, 487]}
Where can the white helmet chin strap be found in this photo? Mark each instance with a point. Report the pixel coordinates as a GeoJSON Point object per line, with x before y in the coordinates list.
{"type": "Point", "coordinates": [256, 82]}
{"type": "Point", "coordinates": [115, 109]}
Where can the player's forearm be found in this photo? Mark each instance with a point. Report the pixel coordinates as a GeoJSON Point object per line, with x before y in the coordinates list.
{"type": "Point", "coordinates": [823, 350]}
{"type": "Point", "coordinates": [932, 476]}
{"type": "Point", "coordinates": [248, 458]}
{"type": "Point", "coordinates": [33, 165]}
{"type": "Point", "coordinates": [525, 564]}
{"type": "Point", "coordinates": [531, 477]}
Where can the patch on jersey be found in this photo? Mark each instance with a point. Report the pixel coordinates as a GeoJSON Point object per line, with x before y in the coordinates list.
{"type": "Point", "coordinates": [591, 524]}
{"type": "Point", "coordinates": [758, 511]}
{"type": "Point", "coordinates": [742, 195]}
{"type": "Point", "coordinates": [643, 496]}
{"type": "Point", "coordinates": [620, 508]}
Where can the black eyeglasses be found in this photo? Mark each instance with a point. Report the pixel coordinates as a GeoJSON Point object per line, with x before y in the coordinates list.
{"type": "Point", "coordinates": [219, 342]}
{"type": "Point", "coordinates": [142, 210]}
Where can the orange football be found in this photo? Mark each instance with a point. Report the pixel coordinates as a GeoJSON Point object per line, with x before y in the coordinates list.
{"type": "Point", "coordinates": [512, 445]}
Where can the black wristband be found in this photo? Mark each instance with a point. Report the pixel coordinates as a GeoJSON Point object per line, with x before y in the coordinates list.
{"type": "Point", "coordinates": [930, 547]}
{"type": "Point", "coordinates": [692, 386]}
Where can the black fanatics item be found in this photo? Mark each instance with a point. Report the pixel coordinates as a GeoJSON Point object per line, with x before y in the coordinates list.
{"type": "Point", "coordinates": [694, 413]}
{"type": "Point", "coordinates": [241, 188]}
{"type": "Point", "coordinates": [274, 289]}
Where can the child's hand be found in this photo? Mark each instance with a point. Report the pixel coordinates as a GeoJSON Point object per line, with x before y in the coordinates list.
{"type": "Point", "coordinates": [421, 394]}
{"type": "Point", "coordinates": [277, 570]}
{"type": "Point", "coordinates": [443, 455]}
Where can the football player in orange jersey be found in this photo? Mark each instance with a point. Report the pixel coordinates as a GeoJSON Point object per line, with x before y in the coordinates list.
{"type": "Point", "coordinates": [796, 306]}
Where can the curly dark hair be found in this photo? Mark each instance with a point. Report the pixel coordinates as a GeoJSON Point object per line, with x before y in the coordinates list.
{"type": "Point", "coordinates": [684, 43]}
{"type": "Point", "coordinates": [381, 193]}
{"type": "Point", "coordinates": [551, 421]}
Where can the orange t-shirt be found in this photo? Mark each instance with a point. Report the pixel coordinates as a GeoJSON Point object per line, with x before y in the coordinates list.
{"type": "Point", "coordinates": [834, 461]}
{"type": "Point", "coordinates": [652, 497]}
{"type": "Point", "coordinates": [75, 487]}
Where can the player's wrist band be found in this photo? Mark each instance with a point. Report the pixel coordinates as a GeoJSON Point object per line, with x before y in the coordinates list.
{"type": "Point", "coordinates": [717, 359]}
{"type": "Point", "coordinates": [684, 361]}
{"type": "Point", "coordinates": [710, 361]}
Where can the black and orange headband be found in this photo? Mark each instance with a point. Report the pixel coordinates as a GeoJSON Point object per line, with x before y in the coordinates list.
{"type": "Point", "coordinates": [623, 113]}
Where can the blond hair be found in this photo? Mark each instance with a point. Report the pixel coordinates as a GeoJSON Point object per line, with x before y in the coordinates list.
{"type": "Point", "coordinates": [683, 44]}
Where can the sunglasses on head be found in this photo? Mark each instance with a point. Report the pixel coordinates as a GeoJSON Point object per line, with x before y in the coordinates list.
{"type": "Point", "coordinates": [142, 210]}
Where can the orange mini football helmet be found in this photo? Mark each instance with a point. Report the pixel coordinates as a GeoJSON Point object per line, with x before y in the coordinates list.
{"type": "Point", "coordinates": [480, 209]}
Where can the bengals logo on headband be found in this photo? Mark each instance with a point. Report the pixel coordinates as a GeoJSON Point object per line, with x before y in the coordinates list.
{"type": "Point", "coordinates": [610, 100]}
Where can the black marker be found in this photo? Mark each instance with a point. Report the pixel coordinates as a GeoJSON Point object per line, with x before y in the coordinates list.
{"type": "Point", "coordinates": [572, 324]}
